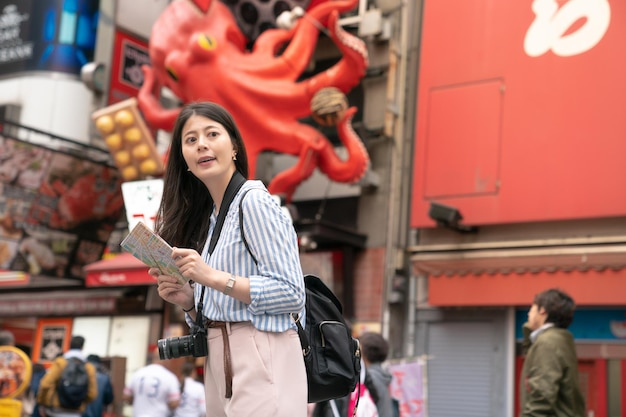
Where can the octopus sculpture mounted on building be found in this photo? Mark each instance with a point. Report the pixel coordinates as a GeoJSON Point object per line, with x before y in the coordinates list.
{"type": "Point", "coordinates": [203, 57]}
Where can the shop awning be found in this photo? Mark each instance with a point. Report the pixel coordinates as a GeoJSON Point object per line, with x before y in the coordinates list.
{"type": "Point", "coordinates": [592, 274]}
{"type": "Point", "coordinates": [121, 270]}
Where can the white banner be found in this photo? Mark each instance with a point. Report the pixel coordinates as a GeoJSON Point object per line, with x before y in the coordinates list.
{"type": "Point", "coordinates": [142, 199]}
{"type": "Point", "coordinates": [407, 386]}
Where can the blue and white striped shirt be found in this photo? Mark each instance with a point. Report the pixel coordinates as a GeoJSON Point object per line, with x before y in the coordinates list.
{"type": "Point", "coordinates": [276, 283]}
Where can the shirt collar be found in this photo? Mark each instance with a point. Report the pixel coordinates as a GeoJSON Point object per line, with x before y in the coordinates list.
{"type": "Point", "coordinates": [75, 353]}
{"type": "Point", "coordinates": [536, 333]}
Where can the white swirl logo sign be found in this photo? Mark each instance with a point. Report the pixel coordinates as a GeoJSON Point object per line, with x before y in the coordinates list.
{"type": "Point", "coordinates": [547, 32]}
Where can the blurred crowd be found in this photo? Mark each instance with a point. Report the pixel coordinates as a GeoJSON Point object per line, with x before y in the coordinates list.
{"type": "Point", "coordinates": [156, 391]}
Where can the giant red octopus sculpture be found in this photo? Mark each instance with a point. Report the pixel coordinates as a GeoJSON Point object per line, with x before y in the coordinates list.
{"type": "Point", "coordinates": [203, 57]}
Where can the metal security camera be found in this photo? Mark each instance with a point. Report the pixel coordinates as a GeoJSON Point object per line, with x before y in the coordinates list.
{"type": "Point", "coordinates": [449, 217]}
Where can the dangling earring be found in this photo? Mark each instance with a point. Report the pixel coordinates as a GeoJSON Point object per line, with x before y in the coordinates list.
{"type": "Point", "coordinates": [235, 156]}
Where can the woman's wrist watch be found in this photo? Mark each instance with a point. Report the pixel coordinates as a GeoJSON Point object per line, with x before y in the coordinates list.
{"type": "Point", "coordinates": [230, 284]}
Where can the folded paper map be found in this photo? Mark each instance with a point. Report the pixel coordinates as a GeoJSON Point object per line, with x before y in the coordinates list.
{"type": "Point", "coordinates": [152, 250]}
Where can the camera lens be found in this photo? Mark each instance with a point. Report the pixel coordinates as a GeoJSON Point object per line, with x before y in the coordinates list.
{"type": "Point", "coordinates": [175, 347]}
{"type": "Point", "coordinates": [164, 352]}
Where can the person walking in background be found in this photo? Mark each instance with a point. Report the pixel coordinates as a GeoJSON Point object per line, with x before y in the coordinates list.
{"type": "Point", "coordinates": [105, 389]}
{"type": "Point", "coordinates": [374, 350]}
{"type": "Point", "coordinates": [48, 396]}
{"type": "Point", "coordinates": [7, 338]}
{"type": "Point", "coordinates": [362, 401]}
{"type": "Point", "coordinates": [246, 291]}
{"type": "Point", "coordinates": [192, 401]}
{"type": "Point", "coordinates": [549, 384]}
{"type": "Point", "coordinates": [154, 390]}
{"type": "Point", "coordinates": [38, 372]}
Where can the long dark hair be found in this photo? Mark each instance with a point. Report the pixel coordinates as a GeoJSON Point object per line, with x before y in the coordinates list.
{"type": "Point", "coordinates": [183, 216]}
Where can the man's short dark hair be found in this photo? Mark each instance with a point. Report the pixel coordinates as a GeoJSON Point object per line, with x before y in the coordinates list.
{"type": "Point", "coordinates": [93, 358]}
{"type": "Point", "coordinates": [77, 342]}
{"type": "Point", "coordinates": [187, 368]}
{"type": "Point", "coordinates": [558, 305]}
{"type": "Point", "coordinates": [374, 347]}
{"type": "Point", "coordinates": [7, 338]}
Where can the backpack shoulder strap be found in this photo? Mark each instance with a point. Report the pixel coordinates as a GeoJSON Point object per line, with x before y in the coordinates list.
{"type": "Point", "coordinates": [306, 348]}
{"type": "Point", "coordinates": [243, 236]}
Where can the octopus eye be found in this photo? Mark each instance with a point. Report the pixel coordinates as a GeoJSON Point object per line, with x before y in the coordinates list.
{"type": "Point", "coordinates": [206, 42]}
{"type": "Point", "coordinates": [172, 74]}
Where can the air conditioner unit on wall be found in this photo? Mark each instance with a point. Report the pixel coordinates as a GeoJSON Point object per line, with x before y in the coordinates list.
{"type": "Point", "coordinates": [372, 22]}
{"type": "Point", "coordinates": [355, 19]}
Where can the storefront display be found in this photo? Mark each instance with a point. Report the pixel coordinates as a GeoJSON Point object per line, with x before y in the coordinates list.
{"type": "Point", "coordinates": [57, 209]}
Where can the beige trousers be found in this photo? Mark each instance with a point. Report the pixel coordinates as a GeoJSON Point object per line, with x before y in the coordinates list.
{"type": "Point", "coordinates": [269, 377]}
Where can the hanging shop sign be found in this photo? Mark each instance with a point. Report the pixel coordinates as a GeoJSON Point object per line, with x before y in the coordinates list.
{"type": "Point", "coordinates": [57, 210]}
{"type": "Point", "coordinates": [130, 53]}
{"type": "Point", "coordinates": [52, 339]}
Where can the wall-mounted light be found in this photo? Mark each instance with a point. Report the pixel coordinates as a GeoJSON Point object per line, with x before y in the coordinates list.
{"type": "Point", "coordinates": [449, 217]}
{"type": "Point", "coordinates": [93, 75]}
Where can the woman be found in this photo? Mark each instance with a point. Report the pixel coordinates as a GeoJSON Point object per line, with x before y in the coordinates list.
{"type": "Point", "coordinates": [254, 365]}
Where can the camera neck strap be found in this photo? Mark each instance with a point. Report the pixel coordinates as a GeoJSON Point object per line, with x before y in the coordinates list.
{"type": "Point", "coordinates": [235, 183]}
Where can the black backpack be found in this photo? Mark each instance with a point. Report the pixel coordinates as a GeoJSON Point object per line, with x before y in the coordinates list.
{"type": "Point", "coordinates": [331, 355]}
{"type": "Point", "coordinates": [73, 385]}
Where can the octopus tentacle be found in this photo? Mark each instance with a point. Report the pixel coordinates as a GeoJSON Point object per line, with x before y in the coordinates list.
{"type": "Point", "coordinates": [268, 43]}
{"type": "Point", "coordinates": [350, 69]}
{"type": "Point", "coordinates": [298, 53]}
{"type": "Point", "coordinates": [312, 144]}
{"type": "Point", "coordinates": [156, 116]}
{"type": "Point", "coordinates": [353, 168]}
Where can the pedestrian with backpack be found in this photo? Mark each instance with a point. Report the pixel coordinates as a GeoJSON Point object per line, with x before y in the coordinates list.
{"type": "Point", "coordinates": [105, 389]}
{"type": "Point", "coordinates": [254, 364]}
{"type": "Point", "coordinates": [69, 384]}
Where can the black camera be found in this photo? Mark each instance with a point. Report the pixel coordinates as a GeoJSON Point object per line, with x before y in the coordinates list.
{"type": "Point", "coordinates": [193, 345]}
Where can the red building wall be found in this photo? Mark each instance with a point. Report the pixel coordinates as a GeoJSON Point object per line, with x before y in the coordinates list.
{"type": "Point", "coordinates": [521, 110]}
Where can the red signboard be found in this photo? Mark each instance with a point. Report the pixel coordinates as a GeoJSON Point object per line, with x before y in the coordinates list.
{"type": "Point", "coordinates": [129, 54]}
{"type": "Point", "coordinates": [519, 110]}
{"type": "Point", "coordinates": [52, 339]}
